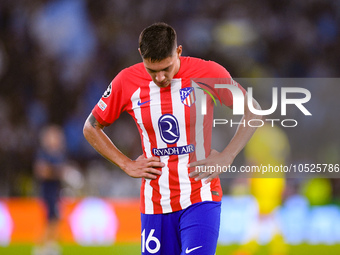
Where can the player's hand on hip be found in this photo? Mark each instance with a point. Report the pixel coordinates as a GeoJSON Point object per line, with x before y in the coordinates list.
{"type": "Point", "coordinates": [210, 167]}
{"type": "Point", "coordinates": [145, 167]}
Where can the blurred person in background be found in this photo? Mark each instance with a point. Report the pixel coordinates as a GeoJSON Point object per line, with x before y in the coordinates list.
{"type": "Point", "coordinates": [180, 210]}
{"type": "Point", "coordinates": [268, 147]}
{"type": "Point", "coordinates": [48, 169]}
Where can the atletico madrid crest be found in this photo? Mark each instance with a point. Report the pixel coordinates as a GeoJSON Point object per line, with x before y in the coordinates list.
{"type": "Point", "coordinates": [188, 97]}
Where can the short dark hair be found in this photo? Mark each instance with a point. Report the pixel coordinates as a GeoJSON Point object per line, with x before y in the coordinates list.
{"type": "Point", "coordinates": [157, 42]}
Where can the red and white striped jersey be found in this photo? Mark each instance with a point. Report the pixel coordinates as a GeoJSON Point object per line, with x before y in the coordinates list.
{"type": "Point", "coordinates": [171, 127]}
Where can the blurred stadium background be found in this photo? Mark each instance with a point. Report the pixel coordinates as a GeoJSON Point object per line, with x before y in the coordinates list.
{"type": "Point", "coordinates": [57, 58]}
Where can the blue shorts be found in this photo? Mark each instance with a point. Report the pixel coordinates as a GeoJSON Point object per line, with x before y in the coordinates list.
{"type": "Point", "coordinates": [50, 193]}
{"type": "Point", "coordinates": [193, 230]}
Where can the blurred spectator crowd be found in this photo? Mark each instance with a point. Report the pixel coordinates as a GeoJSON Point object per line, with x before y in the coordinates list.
{"type": "Point", "coordinates": [58, 56]}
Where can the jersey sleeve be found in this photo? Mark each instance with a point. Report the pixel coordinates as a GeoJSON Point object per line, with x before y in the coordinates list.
{"type": "Point", "coordinates": [112, 102]}
{"type": "Point", "coordinates": [223, 77]}
{"type": "Point", "coordinates": [216, 75]}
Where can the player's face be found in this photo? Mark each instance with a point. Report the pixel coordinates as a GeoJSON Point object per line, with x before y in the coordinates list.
{"type": "Point", "coordinates": [163, 71]}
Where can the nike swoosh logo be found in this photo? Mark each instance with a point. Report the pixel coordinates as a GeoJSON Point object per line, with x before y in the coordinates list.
{"type": "Point", "coordinates": [187, 251]}
{"type": "Point", "coordinates": [141, 103]}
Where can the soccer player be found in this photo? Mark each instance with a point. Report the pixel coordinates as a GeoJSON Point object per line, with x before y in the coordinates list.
{"type": "Point", "coordinates": [180, 208]}
{"type": "Point", "coordinates": [49, 166]}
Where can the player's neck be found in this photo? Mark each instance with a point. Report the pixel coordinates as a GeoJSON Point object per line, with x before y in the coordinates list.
{"type": "Point", "coordinates": [178, 66]}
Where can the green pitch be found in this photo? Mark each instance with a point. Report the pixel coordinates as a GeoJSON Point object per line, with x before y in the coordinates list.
{"type": "Point", "coordinates": [125, 249]}
{"type": "Point", "coordinates": [132, 249]}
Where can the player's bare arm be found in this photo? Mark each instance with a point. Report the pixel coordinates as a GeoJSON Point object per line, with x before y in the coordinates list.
{"type": "Point", "coordinates": [141, 167]}
{"type": "Point", "coordinates": [227, 156]}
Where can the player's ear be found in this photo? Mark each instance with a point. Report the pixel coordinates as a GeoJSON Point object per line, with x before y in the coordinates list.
{"type": "Point", "coordinates": [140, 53]}
{"type": "Point", "coordinates": [179, 50]}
